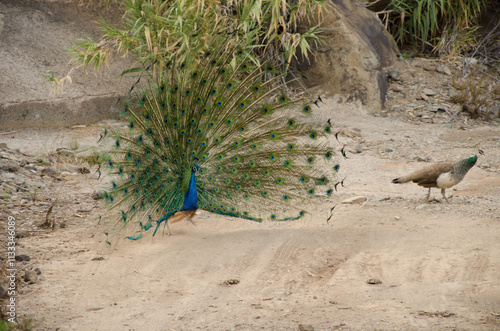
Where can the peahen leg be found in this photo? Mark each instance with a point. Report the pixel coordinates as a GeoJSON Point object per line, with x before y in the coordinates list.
{"type": "Point", "coordinates": [444, 195]}
{"type": "Point", "coordinates": [428, 195]}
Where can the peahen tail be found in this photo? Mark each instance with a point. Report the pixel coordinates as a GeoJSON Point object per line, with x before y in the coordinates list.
{"type": "Point", "coordinates": [217, 132]}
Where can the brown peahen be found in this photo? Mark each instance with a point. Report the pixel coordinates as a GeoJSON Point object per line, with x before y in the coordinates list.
{"type": "Point", "coordinates": [218, 132]}
{"type": "Point", "coordinates": [441, 175]}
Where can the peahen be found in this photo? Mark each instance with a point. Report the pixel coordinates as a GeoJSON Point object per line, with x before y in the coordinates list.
{"type": "Point", "coordinates": [441, 175]}
{"type": "Point", "coordinates": [217, 132]}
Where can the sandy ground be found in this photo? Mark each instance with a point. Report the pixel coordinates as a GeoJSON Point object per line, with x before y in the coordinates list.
{"type": "Point", "coordinates": [393, 262]}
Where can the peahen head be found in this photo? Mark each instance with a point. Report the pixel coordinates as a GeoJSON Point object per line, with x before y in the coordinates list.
{"type": "Point", "coordinates": [471, 160]}
{"type": "Point", "coordinates": [463, 166]}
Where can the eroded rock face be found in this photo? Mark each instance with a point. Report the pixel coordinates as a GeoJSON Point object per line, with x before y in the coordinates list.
{"type": "Point", "coordinates": [34, 37]}
{"type": "Point", "coordinates": [350, 60]}
{"type": "Point", "coordinates": [37, 33]}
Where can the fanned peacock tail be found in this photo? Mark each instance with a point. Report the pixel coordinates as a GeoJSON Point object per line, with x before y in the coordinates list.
{"type": "Point", "coordinates": [218, 133]}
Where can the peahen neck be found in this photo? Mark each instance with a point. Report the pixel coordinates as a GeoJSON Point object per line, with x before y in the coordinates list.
{"type": "Point", "coordinates": [191, 196]}
{"type": "Point", "coordinates": [462, 167]}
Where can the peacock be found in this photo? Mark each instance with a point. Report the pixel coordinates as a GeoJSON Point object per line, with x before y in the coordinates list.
{"type": "Point", "coordinates": [441, 175]}
{"type": "Point", "coordinates": [218, 131]}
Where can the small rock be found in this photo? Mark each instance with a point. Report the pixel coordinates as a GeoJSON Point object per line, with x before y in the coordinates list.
{"type": "Point", "coordinates": [355, 200]}
{"type": "Point", "coordinates": [22, 257]}
{"type": "Point", "coordinates": [73, 145]}
{"type": "Point", "coordinates": [374, 281]}
{"type": "Point", "coordinates": [430, 67]}
{"type": "Point", "coordinates": [9, 165]}
{"type": "Point", "coordinates": [394, 74]}
{"type": "Point", "coordinates": [49, 172]}
{"type": "Point", "coordinates": [397, 218]}
{"type": "Point", "coordinates": [358, 148]}
{"type": "Point", "coordinates": [428, 92]}
{"type": "Point", "coordinates": [98, 258]}
{"type": "Point", "coordinates": [306, 327]}
{"type": "Point", "coordinates": [3, 146]}
{"type": "Point", "coordinates": [66, 173]}
{"type": "Point", "coordinates": [30, 277]}
{"type": "Point", "coordinates": [8, 175]}
{"type": "Point", "coordinates": [38, 272]}
{"type": "Point", "coordinates": [96, 195]}
{"type": "Point", "coordinates": [424, 97]}
{"type": "Point", "coordinates": [422, 206]}
{"type": "Point", "coordinates": [444, 70]}
{"type": "Point", "coordinates": [30, 167]}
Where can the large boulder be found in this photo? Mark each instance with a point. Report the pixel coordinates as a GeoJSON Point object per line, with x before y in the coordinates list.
{"type": "Point", "coordinates": [350, 60]}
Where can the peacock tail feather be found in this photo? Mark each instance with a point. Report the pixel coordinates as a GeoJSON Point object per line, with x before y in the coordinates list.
{"type": "Point", "coordinates": [218, 133]}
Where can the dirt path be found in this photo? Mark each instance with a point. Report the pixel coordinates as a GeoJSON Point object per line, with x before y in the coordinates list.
{"type": "Point", "coordinates": [392, 262]}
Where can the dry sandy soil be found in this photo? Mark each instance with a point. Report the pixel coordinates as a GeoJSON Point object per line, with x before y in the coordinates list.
{"type": "Point", "coordinates": [392, 262]}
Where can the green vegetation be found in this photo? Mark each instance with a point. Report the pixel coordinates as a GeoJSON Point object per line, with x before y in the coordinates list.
{"type": "Point", "coordinates": [156, 31]}
{"type": "Point", "coordinates": [434, 23]}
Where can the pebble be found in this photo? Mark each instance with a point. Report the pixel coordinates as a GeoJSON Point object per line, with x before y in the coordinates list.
{"type": "Point", "coordinates": [306, 327]}
{"type": "Point", "coordinates": [444, 70]}
{"type": "Point", "coordinates": [22, 257]}
{"type": "Point", "coordinates": [8, 175]}
{"type": "Point", "coordinates": [9, 165]}
{"type": "Point", "coordinates": [49, 172]}
{"type": "Point", "coordinates": [430, 67]}
{"type": "Point", "coordinates": [30, 276]}
{"type": "Point", "coordinates": [374, 281]}
{"type": "Point", "coordinates": [428, 92]}
{"type": "Point", "coordinates": [394, 74]}
{"type": "Point", "coordinates": [30, 167]}
{"type": "Point", "coordinates": [355, 200]}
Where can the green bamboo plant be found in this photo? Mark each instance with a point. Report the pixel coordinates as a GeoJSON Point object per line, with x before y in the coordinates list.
{"type": "Point", "coordinates": [162, 29]}
{"type": "Point", "coordinates": [424, 21]}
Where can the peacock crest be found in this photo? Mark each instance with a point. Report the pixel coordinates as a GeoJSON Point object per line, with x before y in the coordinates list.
{"type": "Point", "coordinates": [218, 132]}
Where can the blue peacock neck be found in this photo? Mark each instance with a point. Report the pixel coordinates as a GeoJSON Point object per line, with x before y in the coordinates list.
{"type": "Point", "coordinates": [191, 196]}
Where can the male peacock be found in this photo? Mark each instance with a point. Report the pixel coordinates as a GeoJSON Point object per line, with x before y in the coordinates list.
{"type": "Point", "coordinates": [217, 132]}
{"type": "Point", "coordinates": [441, 175]}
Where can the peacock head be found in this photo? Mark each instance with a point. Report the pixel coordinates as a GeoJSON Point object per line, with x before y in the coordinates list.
{"type": "Point", "coordinates": [195, 167]}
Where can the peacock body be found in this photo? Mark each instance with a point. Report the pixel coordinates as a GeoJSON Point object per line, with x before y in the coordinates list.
{"type": "Point", "coordinates": [217, 132]}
